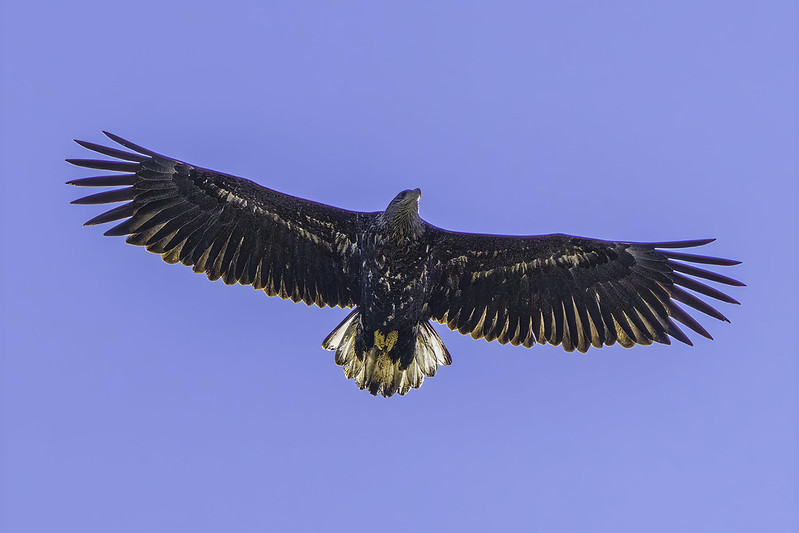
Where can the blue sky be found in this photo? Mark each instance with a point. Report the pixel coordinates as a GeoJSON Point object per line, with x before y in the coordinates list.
{"type": "Point", "coordinates": [137, 396]}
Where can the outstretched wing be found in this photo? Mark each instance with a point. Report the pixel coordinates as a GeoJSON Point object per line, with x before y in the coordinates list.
{"type": "Point", "coordinates": [573, 291]}
{"type": "Point", "coordinates": [226, 226]}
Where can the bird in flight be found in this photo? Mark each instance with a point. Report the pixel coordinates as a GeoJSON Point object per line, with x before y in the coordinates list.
{"type": "Point", "coordinates": [400, 272]}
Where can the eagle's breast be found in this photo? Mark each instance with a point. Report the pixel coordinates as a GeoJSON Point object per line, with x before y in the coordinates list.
{"type": "Point", "coordinates": [394, 288]}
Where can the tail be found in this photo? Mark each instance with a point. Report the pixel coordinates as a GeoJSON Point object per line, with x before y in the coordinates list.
{"type": "Point", "coordinates": [377, 372]}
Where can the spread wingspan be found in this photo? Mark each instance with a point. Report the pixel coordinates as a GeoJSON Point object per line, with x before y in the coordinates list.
{"type": "Point", "coordinates": [400, 272]}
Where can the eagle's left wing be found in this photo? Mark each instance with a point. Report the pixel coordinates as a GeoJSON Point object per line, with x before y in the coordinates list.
{"type": "Point", "coordinates": [228, 227]}
{"type": "Point", "coordinates": [573, 291]}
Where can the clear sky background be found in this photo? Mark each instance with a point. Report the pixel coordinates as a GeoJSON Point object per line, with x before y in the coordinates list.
{"type": "Point", "coordinates": [137, 396]}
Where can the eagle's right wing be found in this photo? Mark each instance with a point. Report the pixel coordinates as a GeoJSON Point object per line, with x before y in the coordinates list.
{"type": "Point", "coordinates": [228, 227]}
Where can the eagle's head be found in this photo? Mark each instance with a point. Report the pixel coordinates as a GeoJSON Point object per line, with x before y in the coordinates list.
{"type": "Point", "coordinates": [407, 200]}
{"type": "Point", "coordinates": [401, 217]}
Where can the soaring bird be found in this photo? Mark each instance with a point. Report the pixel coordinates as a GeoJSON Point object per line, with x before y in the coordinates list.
{"type": "Point", "coordinates": [400, 272]}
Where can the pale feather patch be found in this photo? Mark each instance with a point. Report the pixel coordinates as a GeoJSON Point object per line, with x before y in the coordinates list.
{"type": "Point", "coordinates": [622, 336]}
{"type": "Point", "coordinates": [376, 371]}
{"type": "Point", "coordinates": [580, 341]}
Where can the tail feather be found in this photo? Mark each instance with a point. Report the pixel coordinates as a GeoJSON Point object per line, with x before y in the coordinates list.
{"type": "Point", "coordinates": [375, 370]}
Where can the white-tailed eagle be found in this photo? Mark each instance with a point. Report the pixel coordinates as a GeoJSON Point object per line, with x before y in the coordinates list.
{"type": "Point", "coordinates": [399, 272]}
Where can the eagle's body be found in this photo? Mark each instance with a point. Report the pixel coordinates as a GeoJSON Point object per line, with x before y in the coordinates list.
{"type": "Point", "coordinates": [395, 288]}
{"type": "Point", "coordinates": [400, 272]}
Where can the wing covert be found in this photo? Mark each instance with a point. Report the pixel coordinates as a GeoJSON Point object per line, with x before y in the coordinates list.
{"type": "Point", "coordinates": [227, 227]}
{"type": "Point", "coordinates": [573, 291]}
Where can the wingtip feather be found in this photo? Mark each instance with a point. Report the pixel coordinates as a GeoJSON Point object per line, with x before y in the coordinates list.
{"type": "Point", "coordinates": [680, 244]}
{"type": "Point", "coordinates": [131, 146]}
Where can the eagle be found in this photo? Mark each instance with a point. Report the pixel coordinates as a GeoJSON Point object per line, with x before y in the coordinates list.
{"type": "Point", "coordinates": [399, 272]}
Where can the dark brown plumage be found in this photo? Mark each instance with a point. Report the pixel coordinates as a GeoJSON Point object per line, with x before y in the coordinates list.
{"type": "Point", "coordinates": [399, 271]}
